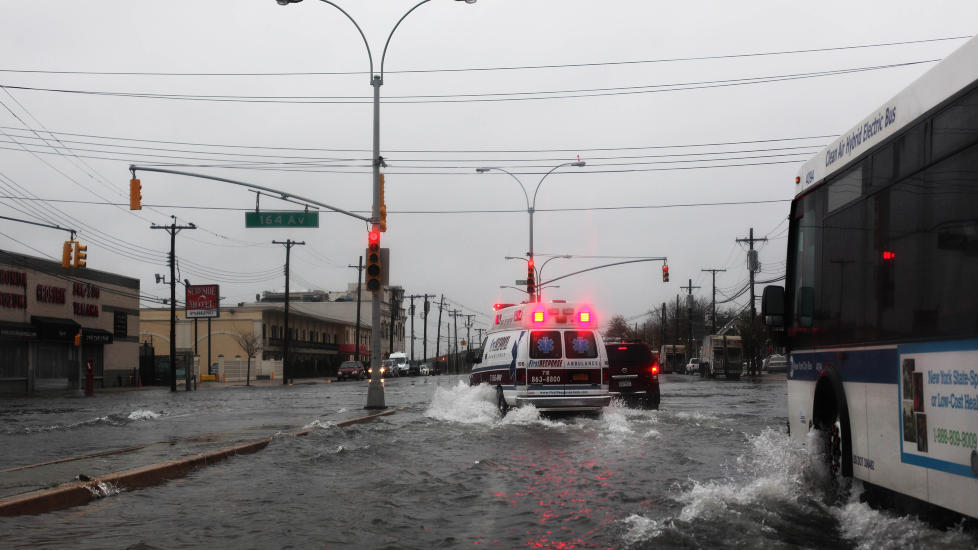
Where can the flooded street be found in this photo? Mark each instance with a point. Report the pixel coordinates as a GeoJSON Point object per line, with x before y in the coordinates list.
{"type": "Point", "coordinates": [712, 468]}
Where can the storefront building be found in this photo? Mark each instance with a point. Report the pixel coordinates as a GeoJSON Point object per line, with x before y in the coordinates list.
{"type": "Point", "coordinates": [319, 331]}
{"type": "Point", "coordinates": [43, 310]}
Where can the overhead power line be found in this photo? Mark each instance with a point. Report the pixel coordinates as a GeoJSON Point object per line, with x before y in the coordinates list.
{"type": "Point", "coordinates": [486, 150]}
{"type": "Point", "coordinates": [496, 68]}
{"type": "Point", "coordinates": [427, 212]}
{"type": "Point", "coordinates": [479, 97]}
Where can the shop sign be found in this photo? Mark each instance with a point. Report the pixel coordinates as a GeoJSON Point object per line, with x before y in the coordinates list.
{"type": "Point", "coordinates": [13, 301]}
{"type": "Point", "coordinates": [202, 301]}
{"type": "Point", "coordinates": [13, 278]}
{"type": "Point", "coordinates": [50, 294]}
{"type": "Point", "coordinates": [83, 290]}
{"type": "Point", "coordinates": [85, 310]}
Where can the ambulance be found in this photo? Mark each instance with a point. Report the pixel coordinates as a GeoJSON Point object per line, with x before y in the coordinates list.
{"type": "Point", "coordinates": [549, 355]}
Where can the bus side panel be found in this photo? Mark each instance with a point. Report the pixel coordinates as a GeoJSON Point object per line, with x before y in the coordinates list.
{"type": "Point", "coordinates": [953, 492]}
{"type": "Point", "coordinates": [883, 433]}
{"type": "Point", "coordinates": [800, 397]}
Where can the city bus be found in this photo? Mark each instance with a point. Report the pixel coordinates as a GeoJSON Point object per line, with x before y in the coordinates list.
{"type": "Point", "coordinates": [879, 312]}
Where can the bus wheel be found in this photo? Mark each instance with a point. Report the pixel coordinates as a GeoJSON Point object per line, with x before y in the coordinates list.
{"type": "Point", "coordinates": [831, 418]}
{"type": "Point", "coordinates": [501, 402]}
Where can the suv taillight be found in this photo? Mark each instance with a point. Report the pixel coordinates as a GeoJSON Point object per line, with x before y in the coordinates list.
{"type": "Point", "coordinates": [655, 369]}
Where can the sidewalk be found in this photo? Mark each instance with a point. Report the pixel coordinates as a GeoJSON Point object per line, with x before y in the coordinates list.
{"type": "Point", "coordinates": [74, 481]}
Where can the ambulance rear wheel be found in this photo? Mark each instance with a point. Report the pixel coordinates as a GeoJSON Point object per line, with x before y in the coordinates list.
{"type": "Point", "coordinates": [501, 402]}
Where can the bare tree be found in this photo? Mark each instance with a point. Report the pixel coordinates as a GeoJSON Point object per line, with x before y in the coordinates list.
{"type": "Point", "coordinates": [251, 345]}
{"type": "Point", "coordinates": [618, 328]}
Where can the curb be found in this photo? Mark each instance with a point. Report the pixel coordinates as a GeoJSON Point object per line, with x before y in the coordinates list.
{"type": "Point", "coordinates": [78, 493]}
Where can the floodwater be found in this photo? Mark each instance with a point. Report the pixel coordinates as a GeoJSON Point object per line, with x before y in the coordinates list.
{"type": "Point", "coordinates": [713, 468]}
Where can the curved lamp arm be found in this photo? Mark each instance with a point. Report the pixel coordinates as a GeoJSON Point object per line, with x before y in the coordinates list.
{"type": "Point", "coordinates": [370, 56]}
{"type": "Point", "coordinates": [525, 195]}
{"type": "Point", "coordinates": [391, 35]}
{"type": "Point", "coordinates": [578, 163]}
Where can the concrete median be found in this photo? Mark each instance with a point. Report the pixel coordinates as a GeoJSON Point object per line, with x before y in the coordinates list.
{"type": "Point", "coordinates": [77, 493]}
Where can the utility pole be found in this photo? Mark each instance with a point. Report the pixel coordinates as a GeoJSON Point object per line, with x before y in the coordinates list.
{"type": "Point", "coordinates": [689, 313]}
{"type": "Point", "coordinates": [412, 328]}
{"type": "Point", "coordinates": [753, 266]}
{"type": "Point", "coordinates": [425, 298]}
{"type": "Point", "coordinates": [480, 331]}
{"type": "Point", "coordinates": [676, 341]}
{"type": "Point", "coordinates": [713, 322]}
{"type": "Point", "coordinates": [662, 326]}
{"type": "Point", "coordinates": [441, 306]}
{"type": "Point", "coordinates": [173, 229]}
{"type": "Point", "coordinates": [286, 372]}
{"type": "Point", "coordinates": [455, 315]}
{"type": "Point", "coordinates": [424, 335]}
{"type": "Point", "coordinates": [356, 331]}
{"type": "Point", "coordinates": [468, 334]}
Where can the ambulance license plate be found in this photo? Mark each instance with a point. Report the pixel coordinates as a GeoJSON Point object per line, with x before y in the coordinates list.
{"type": "Point", "coordinates": [625, 384]}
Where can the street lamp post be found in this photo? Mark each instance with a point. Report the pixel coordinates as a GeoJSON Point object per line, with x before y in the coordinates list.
{"type": "Point", "coordinates": [531, 206]}
{"type": "Point", "coordinates": [375, 391]}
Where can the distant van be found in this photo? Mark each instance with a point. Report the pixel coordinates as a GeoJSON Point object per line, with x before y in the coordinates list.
{"type": "Point", "coordinates": [399, 362]}
{"type": "Point", "coordinates": [550, 356]}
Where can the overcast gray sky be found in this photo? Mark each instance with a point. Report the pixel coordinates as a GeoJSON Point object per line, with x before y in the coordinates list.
{"type": "Point", "coordinates": [628, 98]}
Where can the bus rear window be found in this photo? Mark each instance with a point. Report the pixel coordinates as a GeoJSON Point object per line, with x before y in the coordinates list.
{"type": "Point", "coordinates": [545, 344]}
{"type": "Point", "coordinates": [580, 344]}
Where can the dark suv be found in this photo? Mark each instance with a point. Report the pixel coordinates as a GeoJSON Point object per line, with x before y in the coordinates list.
{"type": "Point", "coordinates": [634, 372]}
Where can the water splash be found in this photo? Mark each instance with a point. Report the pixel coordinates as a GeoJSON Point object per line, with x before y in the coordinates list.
{"type": "Point", "coordinates": [101, 489]}
{"type": "Point", "coordinates": [143, 415]}
{"type": "Point", "coordinates": [464, 404]}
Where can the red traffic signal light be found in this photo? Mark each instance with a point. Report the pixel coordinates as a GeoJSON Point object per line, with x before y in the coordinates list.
{"type": "Point", "coordinates": [373, 261]}
{"type": "Point", "coordinates": [665, 273]}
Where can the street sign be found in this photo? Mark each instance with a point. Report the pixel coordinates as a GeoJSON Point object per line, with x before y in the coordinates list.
{"type": "Point", "coordinates": [202, 301]}
{"type": "Point", "coordinates": [294, 218]}
{"type": "Point", "coordinates": [521, 282]}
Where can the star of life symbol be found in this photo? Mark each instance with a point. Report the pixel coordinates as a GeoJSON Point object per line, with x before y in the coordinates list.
{"type": "Point", "coordinates": [581, 345]}
{"type": "Point", "coordinates": [545, 345]}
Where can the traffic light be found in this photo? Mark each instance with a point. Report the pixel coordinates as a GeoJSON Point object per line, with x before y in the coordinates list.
{"type": "Point", "coordinates": [80, 254]}
{"type": "Point", "coordinates": [135, 194]}
{"type": "Point", "coordinates": [383, 206]}
{"type": "Point", "coordinates": [665, 273]}
{"type": "Point", "coordinates": [66, 253]}
{"type": "Point", "coordinates": [373, 261]}
{"type": "Point", "coordinates": [531, 283]}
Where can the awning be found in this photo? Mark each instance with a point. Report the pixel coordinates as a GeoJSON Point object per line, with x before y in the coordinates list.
{"type": "Point", "coordinates": [96, 336]}
{"type": "Point", "coordinates": [55, 328]}
{"type": "Point", "coordinates": [17, 331]}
